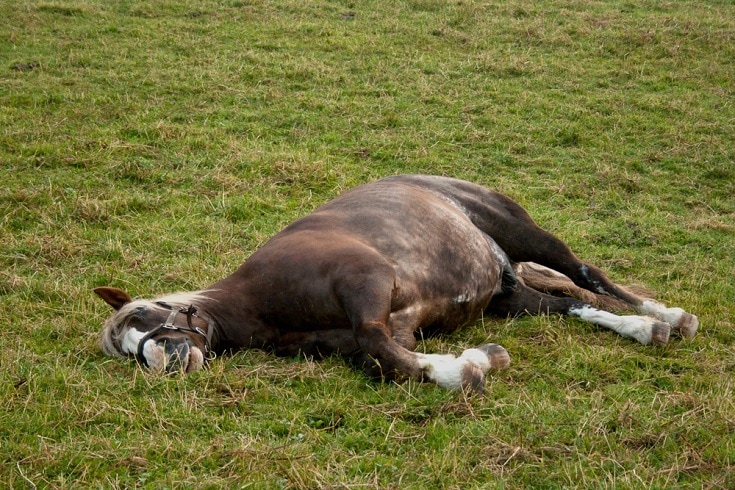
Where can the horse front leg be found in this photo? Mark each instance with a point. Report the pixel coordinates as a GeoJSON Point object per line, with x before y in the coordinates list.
{"type": "Point", "coordinates": [384, 357]}
{"type": "Point", "coordinates": [466, 372]}
{"type": "Point", "coordinates": [386, 341]}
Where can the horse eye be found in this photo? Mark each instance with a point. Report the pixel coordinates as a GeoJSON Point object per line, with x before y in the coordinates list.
{"type": "Point", "coordinates": [140, 312]}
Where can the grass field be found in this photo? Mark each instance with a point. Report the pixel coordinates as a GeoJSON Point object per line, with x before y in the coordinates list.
{"type": "Point", "coordinates": [155, 145]}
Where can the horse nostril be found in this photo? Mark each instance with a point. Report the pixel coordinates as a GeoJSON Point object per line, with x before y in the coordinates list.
{"type": "Point", "coordinates": [177, 355]}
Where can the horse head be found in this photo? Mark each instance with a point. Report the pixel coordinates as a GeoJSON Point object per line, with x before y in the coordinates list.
{"type": "Point", "coordinates": [166, 334]}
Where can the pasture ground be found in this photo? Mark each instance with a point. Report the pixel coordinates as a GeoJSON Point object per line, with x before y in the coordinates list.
{"type": "Point", "coordinates": [155, 145]}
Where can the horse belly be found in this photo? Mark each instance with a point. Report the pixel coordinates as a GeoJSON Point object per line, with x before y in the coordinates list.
{"type": "Point", "coordinates": [450, 286]}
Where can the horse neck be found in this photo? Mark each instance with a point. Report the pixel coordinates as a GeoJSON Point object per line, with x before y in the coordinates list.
{"type": "Point", "coordinates": [234, 319]}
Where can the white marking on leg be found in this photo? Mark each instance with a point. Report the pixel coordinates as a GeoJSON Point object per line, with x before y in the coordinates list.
{"type": "Point", "coordinates": [478, 357]}
{"type": "Point", "coordinates": [656, 309]}
{"type": "Point", "coordinates": [679, 319]}
{"type": "Point", "coordinates": [441, 369]}
{"type": "Point", "coordinates": [640, 328]}
{"type": "Point", "coordinates": [448, 371]}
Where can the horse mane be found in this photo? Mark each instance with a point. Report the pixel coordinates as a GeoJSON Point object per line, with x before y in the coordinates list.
{"type": "Point", "coordinates": [114, 328]}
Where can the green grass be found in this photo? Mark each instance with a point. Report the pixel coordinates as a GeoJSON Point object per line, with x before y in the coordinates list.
{"type": "Point", "coordinates": [155, 145]}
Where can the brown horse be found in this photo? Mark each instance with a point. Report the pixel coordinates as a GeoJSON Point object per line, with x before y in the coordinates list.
{"type": "Point", "coordinates": [369, 272]}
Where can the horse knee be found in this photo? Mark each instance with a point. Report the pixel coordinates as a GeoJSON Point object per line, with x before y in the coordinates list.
{"type": "Point", "coordinates": [381, 356]}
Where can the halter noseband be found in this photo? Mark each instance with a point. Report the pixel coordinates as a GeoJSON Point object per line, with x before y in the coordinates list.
{"type": "Point", "coordinates": [190, 311]}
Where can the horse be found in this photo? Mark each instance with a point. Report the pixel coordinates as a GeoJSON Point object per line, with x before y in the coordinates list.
{"type": "Point", "coordinates": [368, 274]}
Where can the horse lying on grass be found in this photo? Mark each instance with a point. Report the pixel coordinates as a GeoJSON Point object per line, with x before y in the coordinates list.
{"type": "Point", "coordinates": [368, 273]}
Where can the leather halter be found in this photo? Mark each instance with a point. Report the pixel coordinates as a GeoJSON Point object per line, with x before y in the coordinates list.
{"type": "Point", "coordinates": [169, 324]}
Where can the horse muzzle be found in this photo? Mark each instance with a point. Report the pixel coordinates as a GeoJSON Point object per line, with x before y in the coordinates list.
{"type": "Point", "coordinates": [177, 356]}
{"type": "Point", "coordinates": [171, 355]}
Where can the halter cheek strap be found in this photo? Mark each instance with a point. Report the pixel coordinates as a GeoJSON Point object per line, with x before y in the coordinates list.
{"type": "Point", "coordinates": [169, 324]}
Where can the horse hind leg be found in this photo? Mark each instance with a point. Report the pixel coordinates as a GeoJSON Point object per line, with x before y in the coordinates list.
{"type": "Point", "coordinates": [524, 241]}
{"type": "Point", "coordinates": [550, 281]}
{"type": "Point", "coordinates": [682, 322]}
{"type": "Point", "coordinates": [525, 300]}
{"type": "Point", "coordinates": [555, 283]}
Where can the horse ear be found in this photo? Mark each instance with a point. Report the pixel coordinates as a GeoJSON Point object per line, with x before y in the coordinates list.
{"type": "Point", "coordinates": [113, 296]}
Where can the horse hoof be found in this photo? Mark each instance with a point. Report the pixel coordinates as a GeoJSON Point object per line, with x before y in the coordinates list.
{"type": "Point", "coordinates": [497, 355]}
{"type": "Point", "coordinates": [660, 333]}
{"type": "Point", "coordinates": [473, 379]}
{"type": "Point", "coordinates": [687, 325]}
